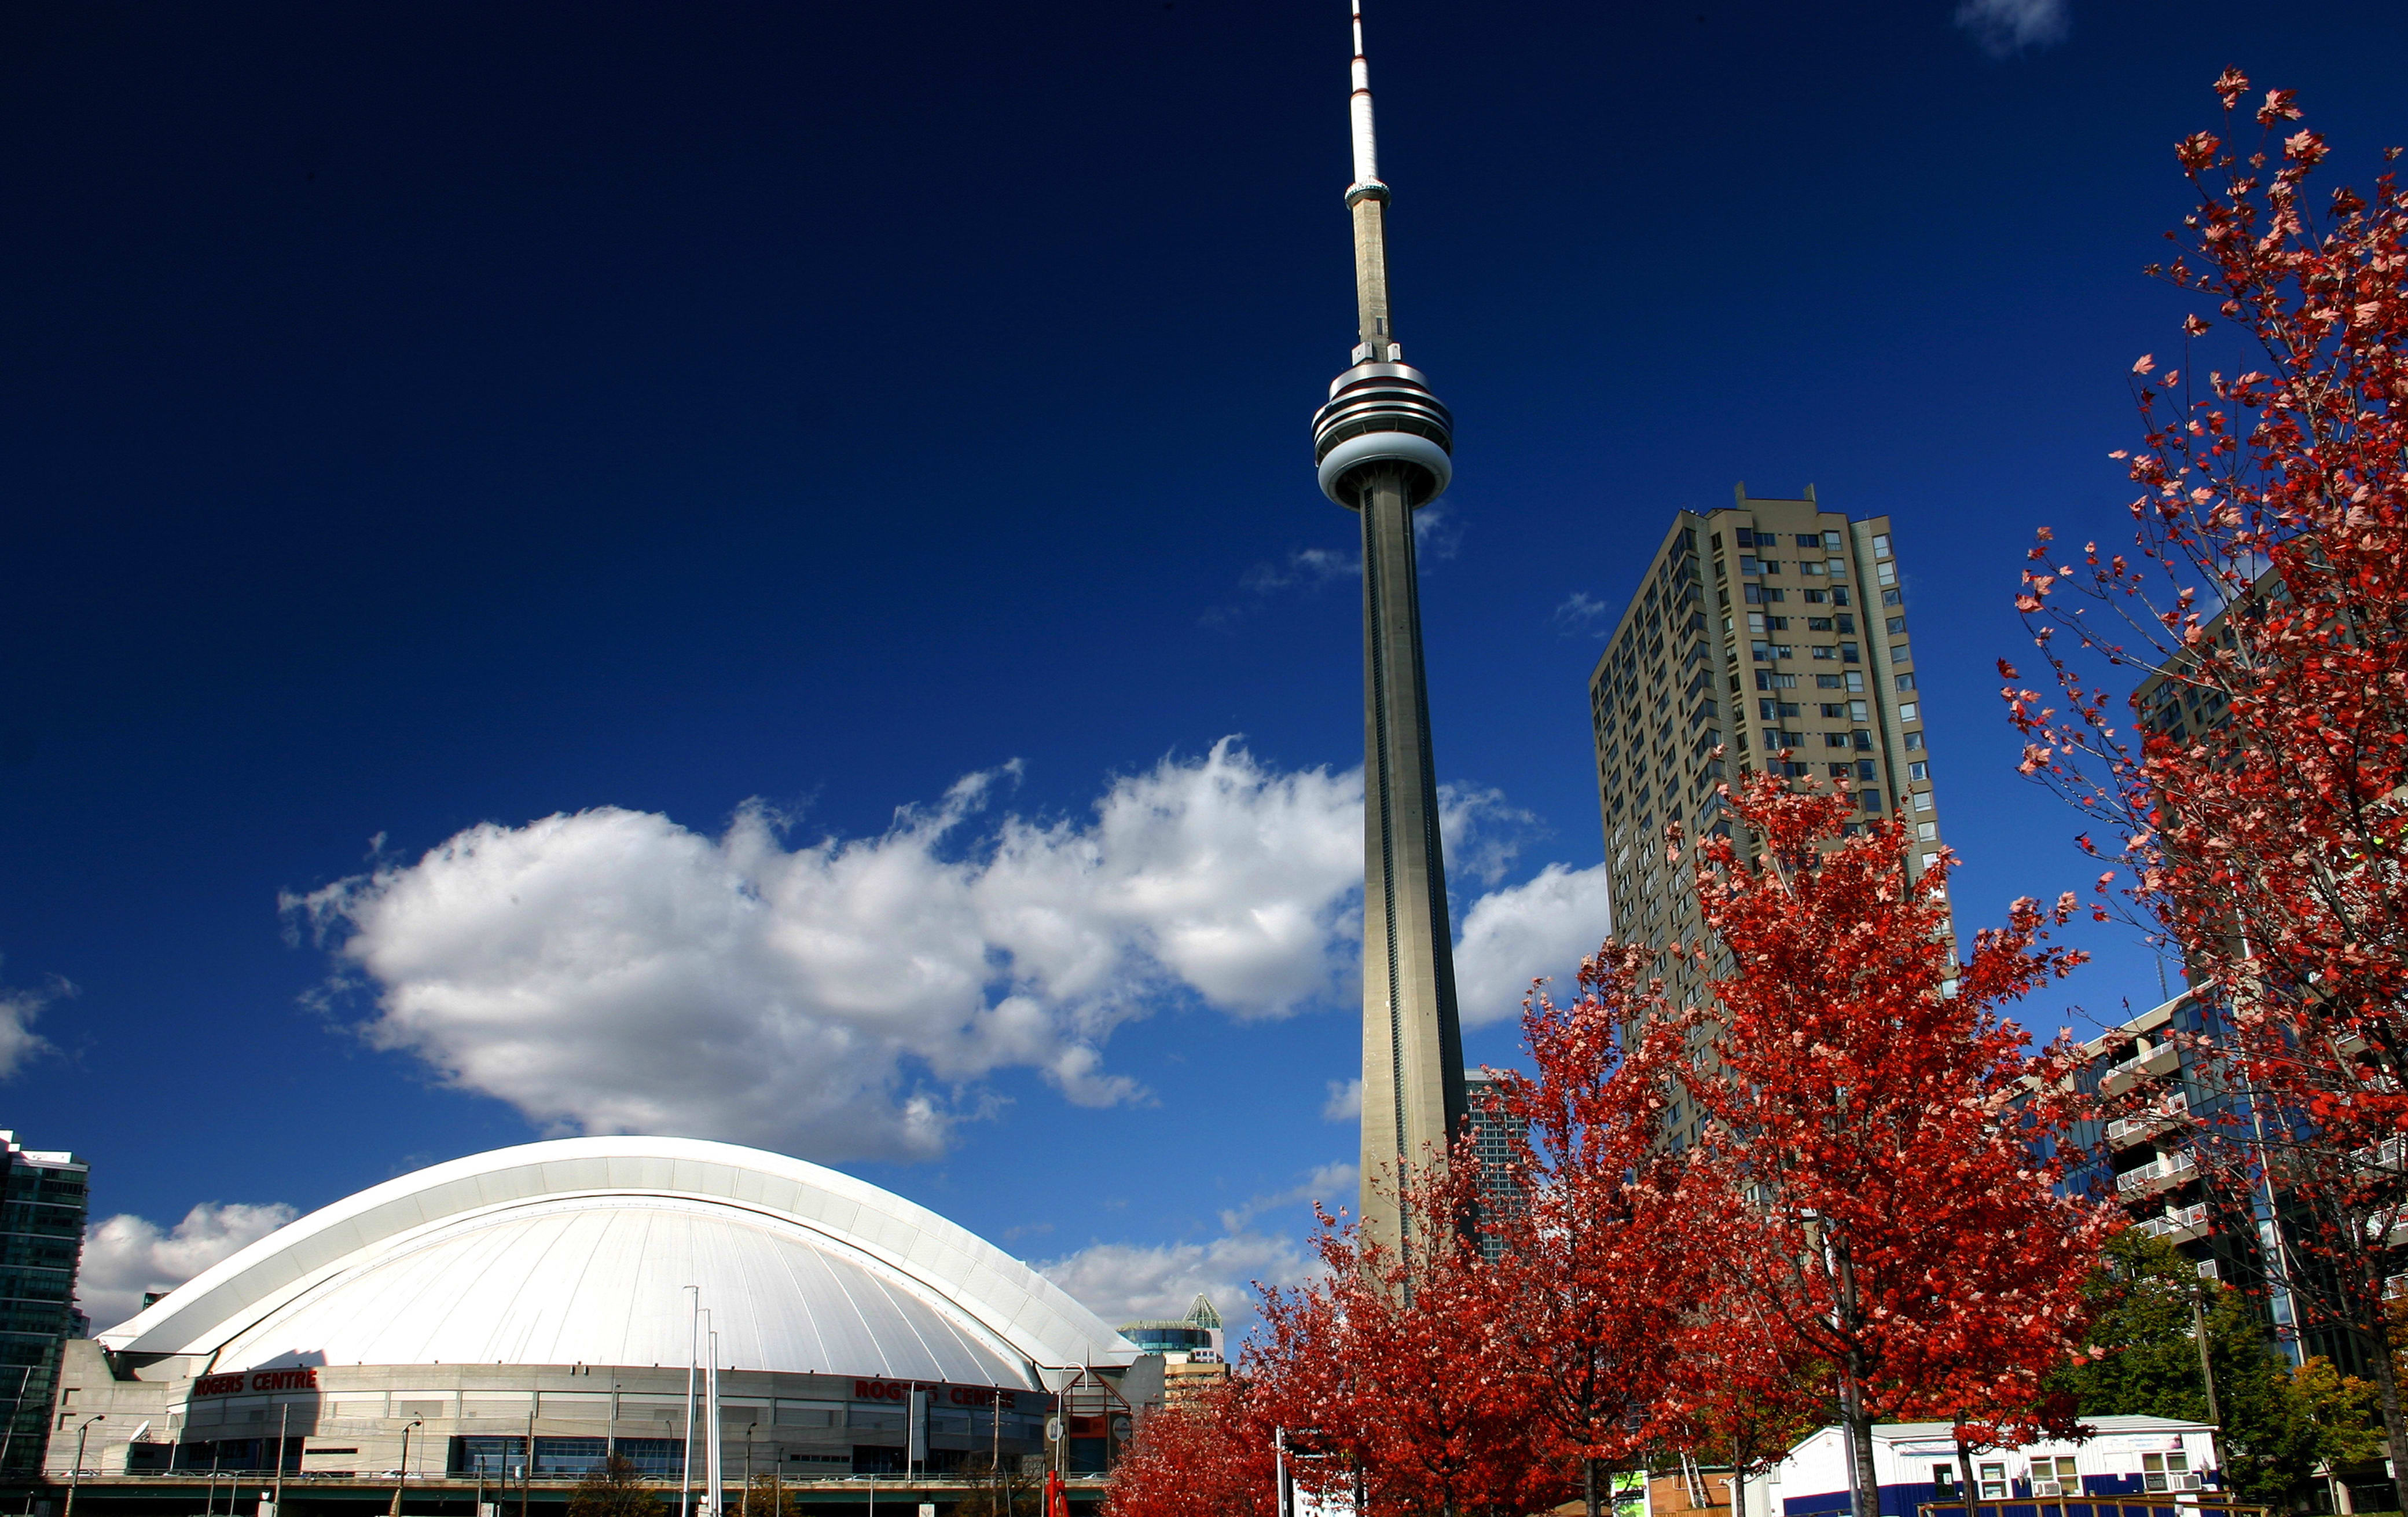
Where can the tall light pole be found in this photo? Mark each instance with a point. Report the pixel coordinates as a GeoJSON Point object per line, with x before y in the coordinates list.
{"type": "Point", "coordinates": [1384, 446]}
{"type": "Point", "coordinates": [692, 1350]}
{"type": "Point", "coordinates": [401, 1475]}
{"type": "Point", "coordinates": [74, 1476]}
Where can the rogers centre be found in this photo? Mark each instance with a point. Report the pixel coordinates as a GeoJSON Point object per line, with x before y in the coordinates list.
{"type": "Point", "coordinates": [524, 1315]}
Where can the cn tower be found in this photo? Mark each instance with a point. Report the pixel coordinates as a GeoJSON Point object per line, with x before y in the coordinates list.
{"type": "Point", "coordinates": [1383, 444]}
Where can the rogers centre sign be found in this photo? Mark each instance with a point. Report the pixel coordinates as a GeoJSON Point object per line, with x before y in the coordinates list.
{"type": "Point", "coordinates": [264, 1379]}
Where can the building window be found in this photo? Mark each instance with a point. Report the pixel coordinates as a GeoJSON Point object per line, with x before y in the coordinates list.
{"type": "Point", "coordinates": [1926, 831]}
{"type": "Point", "coordinates": [1864, 740]}
{"type": "Point", "coordinates": [2166, 1471]}
{"type": "Point", "coordinates": [1857, 712]}
{"type": "Point", "coordinates": [1899, 654]}
{"type": "Point", "coordinates": [1839, 593]}
{"type": "Point", "coordinates": [1919, 770]}
{"type": "Point", "coordinates": [1748, 564]}
{"type": "Point", "coordinates": [1885, 575]}
{"type": "Point", "coordinates": [1943, 1482]}
{"type": "Point", "coordinates": [1914, 743]}
{"type": "Point", "coordinates": [1865, 770]}
{"type": "Point", "coordinates": [1870, 800]}
{"type": "Point", "coordinates": [1825, 651]}
{"type": "Point", "coordinates": [1774, 710]}
{"type": "Point", "coordinates": [1834, 740]}
{"type": "Point", "coordinates": [1818, 598]}
{"type": "Point", "coordinates": [1745, 537]}
{"type": "Point", "coordinates": [1897, 624]}
{"type": "Point", "coordinates": [1818, 624]}
{"type": "Point", "coordinates": [1810, 539]}
{"type": "Point", "coordinates": [1827, 682]}
{"type": "Point", "coordinates": [1847, 652]}
{"type": "Point", "coordinates": [1847, 624]}
{"type": "Point", "coordinates": [1923, 800]}
{"type": "Point", "coordinates": [1855, 682]}
{"type": "Point", "coordinates": [1908, 712]}
{"type": "Point", "coordinates": [1833, 710]}
{"type": "Point", "coordinates": [2060, 1472]}
{"type": "Point", "coordinates": [1881, 544]}
{"type": "Point", "coordinates": [1837, 772]}
{"type": "Point", "coordinates": [1830, 540]}
{"type": "Point", "coordinates": [1767, 680]}
{"type": "Point", "coordinates": [1810, 566]}
{"type": "Point", "coordinates": [1904, 682]}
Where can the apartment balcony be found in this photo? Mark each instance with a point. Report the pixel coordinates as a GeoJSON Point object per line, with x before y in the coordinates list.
{"type": "Point", "coordinates": [2160, 1175]}
{"type": "Point", "coordinates": [2125, 1132]}
{"type": "Point", "coordinates": [2178, 1224]}
{"type": "Point", "coordinates": [2140, 1064]}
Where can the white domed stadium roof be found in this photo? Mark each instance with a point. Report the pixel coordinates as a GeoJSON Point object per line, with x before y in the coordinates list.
{"type": "Point", "coordinates": [579, 1252]}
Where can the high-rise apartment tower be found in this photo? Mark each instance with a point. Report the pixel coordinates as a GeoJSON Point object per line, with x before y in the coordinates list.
{"type": "Point", "coordinates": [1383, 445]}
{"type": "Point", "coordinates": [43, 1198]}
{"type": "Point", "coordinates": [1775, 631]}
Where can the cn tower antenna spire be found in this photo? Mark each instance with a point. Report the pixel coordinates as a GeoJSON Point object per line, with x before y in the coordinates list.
{"type": "Point", "coordinates": [1378, 339]}
{"type": "Point", "coordinates": [1383, 444]}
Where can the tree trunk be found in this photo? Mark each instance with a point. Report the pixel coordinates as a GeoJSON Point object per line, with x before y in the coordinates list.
{"type": "Point", "coordinates": [1860, 1449]}
{"type": "Point", "coordinates": [1588, 1485]}
{"type": "Point", "coordinates": [2395, 1428]}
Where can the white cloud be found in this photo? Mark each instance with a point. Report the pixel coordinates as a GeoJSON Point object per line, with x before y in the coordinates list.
{"type": "Point", "coordinates": [1124, 1282]}
{"type": "Point", "coordinates": [612, 971]}
{"type": "Point", "coordinates": [18, 1042]}
{"type": "Point", "coordinates": [1583, 615]}
{"type": "Point", "coordinates": [126, 1255]}
{"type": "Point", "coordinates": [1345, 1103]}
{"type": "Point", "coordinates": [1333, 1185]}
{"type": "Point", "coordinates": [1544, 926]}
{"type": "Point", "coordinates": [1308, 567]}
{"type": "Point", "coordinates": [2006, 27]}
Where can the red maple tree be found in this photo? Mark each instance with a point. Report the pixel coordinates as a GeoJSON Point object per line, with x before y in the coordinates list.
{"type": "Point", "coordinates": [1597, 1271]}
{"type": "Point", "coordinates": [1209, 1455]}
{"type": "Point", "coordinates": [1880, 1144]}
{"type": "Point", "coordinates": [1395, 1366]}
{"type": "Point", "coordinates": [2256, 813]}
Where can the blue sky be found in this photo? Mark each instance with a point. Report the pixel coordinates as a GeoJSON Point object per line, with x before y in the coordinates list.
{"type": "Point", "coordinates": [850, 467]}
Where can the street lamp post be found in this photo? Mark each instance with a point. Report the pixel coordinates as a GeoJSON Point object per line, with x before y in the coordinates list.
{"type": "Point", "coordinates": [401, 1476]}
{"type": "Point", "coordinates": [74, 1476]}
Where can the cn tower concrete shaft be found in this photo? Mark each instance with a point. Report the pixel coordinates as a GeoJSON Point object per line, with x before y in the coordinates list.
{"type": "Point", "coordinates": [1384, 447]}
{"type": "Point", "coordinates": [1412, 1043]}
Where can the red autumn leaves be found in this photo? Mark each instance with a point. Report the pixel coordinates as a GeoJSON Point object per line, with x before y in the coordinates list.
{"type": "Point", "coordinates": [1855, 1222]}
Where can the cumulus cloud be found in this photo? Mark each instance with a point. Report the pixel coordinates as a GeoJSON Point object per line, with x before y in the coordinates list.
{"type": "Point", "coordinates": [1544, 926]}
{"type": "Point", "coordinates": [1124, 1282]}
{"type": "Point", "coordinates": [2007, 27]}
{"type": "Point", "coordinates": [19, 1043]}
{"type": "Point", "coordinates": [613, 971]}
{"type": "Point", "coordinates": [126, 1255]}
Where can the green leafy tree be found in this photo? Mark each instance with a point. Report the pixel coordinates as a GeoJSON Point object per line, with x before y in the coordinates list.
{"type": "Point", "coordinates": [615, 1490]}
{"type": "Point", "coordinates": [2278, 1425]}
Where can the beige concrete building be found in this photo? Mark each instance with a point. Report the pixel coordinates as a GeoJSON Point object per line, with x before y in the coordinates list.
{"type": "Point", "coordinates": [1778, 633]}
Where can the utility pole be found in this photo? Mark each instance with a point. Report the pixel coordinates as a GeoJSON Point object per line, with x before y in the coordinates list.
{"type": "Point", "coordinates": [526, 1466]}
{"type": "Point", "coordinates": [283, 1433]}
{"type": "Point", "coordinates": [401, 1476]}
